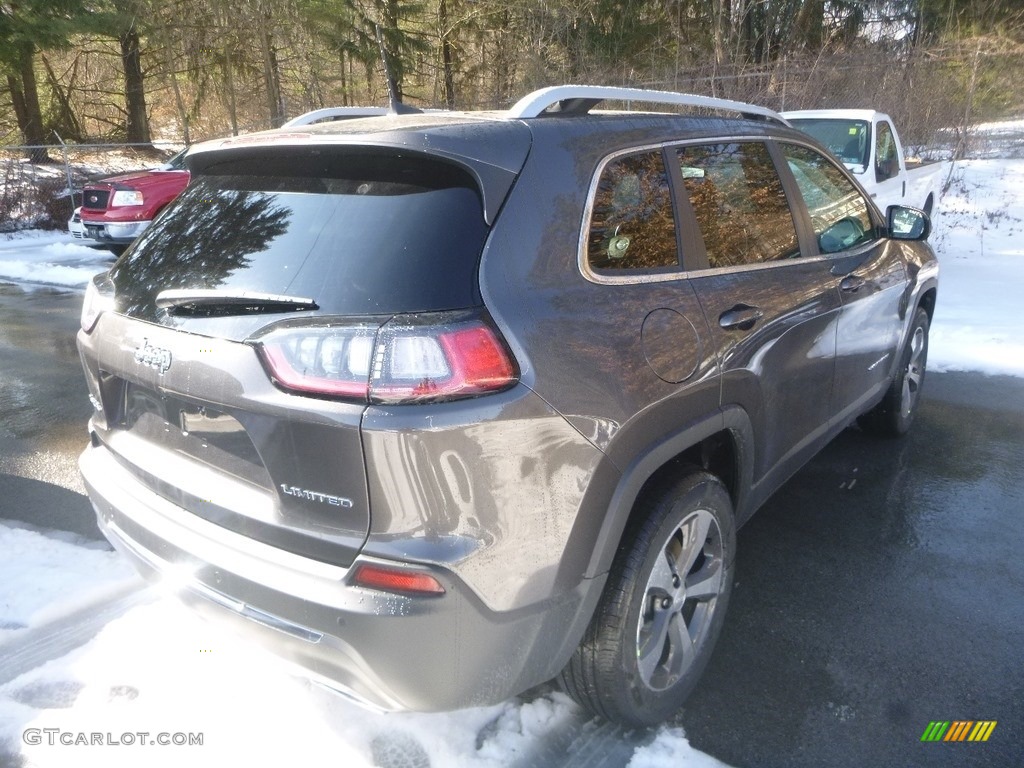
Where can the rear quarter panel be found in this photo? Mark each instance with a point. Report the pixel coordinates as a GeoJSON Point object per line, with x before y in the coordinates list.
{"type": "Point", "coordinates": [579, 343]}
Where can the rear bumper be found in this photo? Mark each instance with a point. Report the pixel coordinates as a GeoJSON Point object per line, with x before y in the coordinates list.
{"type": "Point", "coordinates": [389, 651]}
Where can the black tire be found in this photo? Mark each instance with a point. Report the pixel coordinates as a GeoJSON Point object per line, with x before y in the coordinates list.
{"type": "Point", "coordinates": [652, 634]}
{"type": "Point", "coordinates": [893, 416]}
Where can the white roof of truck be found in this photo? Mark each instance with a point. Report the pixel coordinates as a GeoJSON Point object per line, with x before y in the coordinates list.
{"type": "Point", "coordinates": [867, 115]}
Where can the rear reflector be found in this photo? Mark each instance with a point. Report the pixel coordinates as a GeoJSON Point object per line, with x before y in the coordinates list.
{"type": "Point", "coordinates": [396, 580]}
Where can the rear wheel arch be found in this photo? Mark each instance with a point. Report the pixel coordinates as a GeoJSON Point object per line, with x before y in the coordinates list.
{"type": "Point", "coordinates": [721, 445]}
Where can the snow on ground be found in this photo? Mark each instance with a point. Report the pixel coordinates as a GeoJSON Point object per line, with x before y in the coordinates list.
{"type": "Point", "coordinates": [159, 669]}
{"type": "Point", "coordinates": [160, 673]}
{"type": "Point", "coordinates": [979, 238]}
{"type": "Point", "coordinates": [47, 574]}
{"type": "Point", "coordinates": [38, 258]}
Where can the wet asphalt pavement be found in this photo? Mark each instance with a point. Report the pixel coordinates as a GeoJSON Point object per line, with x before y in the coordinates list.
{"type": "Point", "coordinates": [44, 408]}
{"type": "Point", "coordinates": [881, 589]}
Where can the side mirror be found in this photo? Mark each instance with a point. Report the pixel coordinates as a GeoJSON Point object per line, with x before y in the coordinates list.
{"type": "Point", "coordinates": [907, 223]}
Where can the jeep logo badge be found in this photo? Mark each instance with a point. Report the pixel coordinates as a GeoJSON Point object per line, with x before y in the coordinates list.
{"type": "Point", "coordinates": [153, 357]}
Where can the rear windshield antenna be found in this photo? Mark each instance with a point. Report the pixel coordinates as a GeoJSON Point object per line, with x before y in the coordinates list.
{"type": "Point", "coordinates": [394, 100]}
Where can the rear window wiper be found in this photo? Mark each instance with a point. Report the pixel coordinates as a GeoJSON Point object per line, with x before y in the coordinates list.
{"type": "Point", "coordinates": [208, 302]}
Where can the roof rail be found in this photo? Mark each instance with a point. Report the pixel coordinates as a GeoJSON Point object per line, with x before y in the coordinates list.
{"type": "Point", "coordinates": [335, 113]}
{"type": "Point", "coordinates": [580, 99]}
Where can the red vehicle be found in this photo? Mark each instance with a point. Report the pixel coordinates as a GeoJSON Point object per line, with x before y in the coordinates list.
{"type": "Point", "coordinates": [116, 210]}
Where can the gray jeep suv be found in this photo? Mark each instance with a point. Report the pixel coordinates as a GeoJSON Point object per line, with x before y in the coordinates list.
{"type": "Point", "coordinates": [442, 406]}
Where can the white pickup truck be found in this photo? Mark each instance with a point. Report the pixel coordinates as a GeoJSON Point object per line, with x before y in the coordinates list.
{"type": "Point", "coordinates": [868, 144]}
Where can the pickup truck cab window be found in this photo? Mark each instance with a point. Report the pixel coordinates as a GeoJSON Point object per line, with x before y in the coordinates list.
{"type": "Point", "coordinates": [739, 203]}
{"type": "Point", "coordinates": [839, 213]}
{"type": "Point", "coordinates": [632, 226]}
{"type": "Point", "coordinates": [846, 139]}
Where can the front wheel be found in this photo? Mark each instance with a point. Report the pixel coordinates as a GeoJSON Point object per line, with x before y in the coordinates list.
{"type": "Point", "coordinates": [893, 416]}
{"type": "Point", "coordinates": [663, 606]}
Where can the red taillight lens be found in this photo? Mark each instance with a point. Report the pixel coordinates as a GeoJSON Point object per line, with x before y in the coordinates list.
{"type": "Point", "coordinates": [409, 359]}
{"type": "Point", "coordinates": [396, 580]}
{"type": "Point", "coordinates": [445, 362]}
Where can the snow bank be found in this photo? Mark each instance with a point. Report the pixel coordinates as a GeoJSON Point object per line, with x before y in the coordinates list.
{"type": "Point", "coordinates": [51, 259]}
{"type": "Point", "coordinates": [979, 238]}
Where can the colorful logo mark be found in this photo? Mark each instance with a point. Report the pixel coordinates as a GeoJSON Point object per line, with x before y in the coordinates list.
{"type": "Point", "coordinates": [958, 730]}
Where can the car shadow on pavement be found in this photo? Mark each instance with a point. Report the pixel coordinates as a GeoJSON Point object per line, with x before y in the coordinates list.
{"type": "Point", "coordinates": [47, 506]}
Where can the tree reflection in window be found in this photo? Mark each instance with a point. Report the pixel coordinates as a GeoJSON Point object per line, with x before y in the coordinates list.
{"type": "Point", "coordinates": [632, 226]}
{"type": "Point", "coordinates": [739, 203]}
{"type": "Point", "coordinates": [358, 232]}
{"type": "Point", "coordinates": [210, 234]}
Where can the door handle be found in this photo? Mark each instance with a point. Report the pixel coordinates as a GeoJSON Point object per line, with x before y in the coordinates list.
{"type": "Point", "coordinates": [851, 283]}
{"type": "Point", "coordinates": [741, 317]}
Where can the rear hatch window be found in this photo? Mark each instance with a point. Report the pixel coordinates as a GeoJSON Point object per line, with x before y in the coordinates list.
{"type": "Point", "coordinates": [360, 232]}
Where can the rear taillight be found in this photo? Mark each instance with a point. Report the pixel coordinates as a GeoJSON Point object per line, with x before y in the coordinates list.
{"type": "Point", "coordinates": [408, 359]}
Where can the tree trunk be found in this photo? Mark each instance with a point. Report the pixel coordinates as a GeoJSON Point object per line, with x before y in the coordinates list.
{"type": "Point", "coordinates": [720, 29]}
{"type": "Point", "coordinates": [25, 98]}
{"type": "Point", "coordinates": [810, 25]}
{"type": "Point", "coordinates": [66, 123]}
{"type": "Point", "coordinates": [447, 57]}
{"type": "Point", "coordinates": [271, 71]}
{"type": "Point", "coordinates": [179, 101]}
{"type": "Point", "coordinates": [392, 48]}
{"type": "Point", "coordinates": [344, 78]}
{"type": "Point", "coordinates": [229, 77]}
{"type": "Point", "coordinates": [503, 59]}
{"type": "Point", "coordinates": [137, 122]}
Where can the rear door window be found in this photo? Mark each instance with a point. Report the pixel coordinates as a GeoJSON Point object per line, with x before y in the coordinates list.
{"type": "Point", "coordinates": [632, 225]}
{"type": "Point", "coordinates": [358, 232]}
{"type": "Point", "coordinates": [739, 203]}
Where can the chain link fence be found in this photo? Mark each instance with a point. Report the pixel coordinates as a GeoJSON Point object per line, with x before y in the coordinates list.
{"type": "Point", "coordinates": [40, 185]}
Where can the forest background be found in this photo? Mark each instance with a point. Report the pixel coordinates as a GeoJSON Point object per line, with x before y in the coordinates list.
{"type": "Point", "coordinates": [179, 71]}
